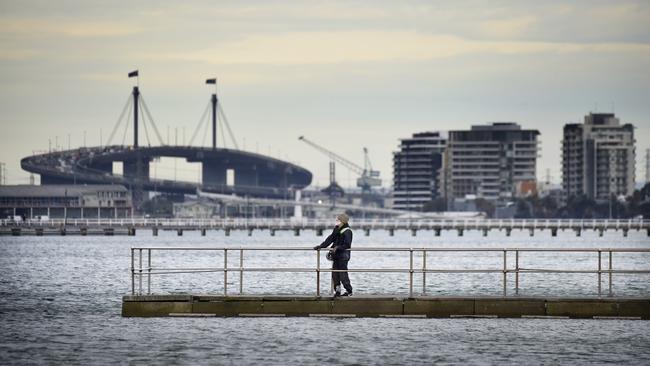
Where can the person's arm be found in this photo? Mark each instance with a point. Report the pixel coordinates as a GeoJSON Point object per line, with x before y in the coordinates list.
{"type": "Point", "coordinates": [327, 242]}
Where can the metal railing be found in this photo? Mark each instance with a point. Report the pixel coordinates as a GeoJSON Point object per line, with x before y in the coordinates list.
{"type": "Point", "coordinates": [140, 272]}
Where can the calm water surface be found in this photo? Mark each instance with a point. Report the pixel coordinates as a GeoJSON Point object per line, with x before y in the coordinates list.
{"type": "Point", "coordinates": [60, 301]}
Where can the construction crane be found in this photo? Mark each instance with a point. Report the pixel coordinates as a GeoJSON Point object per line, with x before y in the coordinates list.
{"type": "Point", "coordinates": [367, 177]}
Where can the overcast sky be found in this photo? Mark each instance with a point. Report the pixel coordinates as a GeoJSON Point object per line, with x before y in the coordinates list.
{"type": "Point", "coordinates": [347, 74]}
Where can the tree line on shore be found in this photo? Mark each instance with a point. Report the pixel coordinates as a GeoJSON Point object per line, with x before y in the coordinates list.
{"type": "Point", "coordinates": [577, 207]}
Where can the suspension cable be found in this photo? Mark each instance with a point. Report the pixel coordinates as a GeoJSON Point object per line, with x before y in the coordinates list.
{"type": "Point", "coordinates": [128, 122]}
{"type": "Point", "coordinates": [198, 126]}
{"type": "Point", "coordinates": [205, 129]}
{"type": "Point", "coordinates": [144, 124]}
{"type": "Point", "coordinates": [225, 120]}
{"type": "Point", "coordinates": [153, 124]}
{"type": "Point", "coordinates": [223, 135]}
{"type": "Point", "coordinates": [119, 121]}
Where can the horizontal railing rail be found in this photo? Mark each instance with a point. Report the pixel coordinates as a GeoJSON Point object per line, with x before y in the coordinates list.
{"type": "Point", "coordinates": [143, 272]}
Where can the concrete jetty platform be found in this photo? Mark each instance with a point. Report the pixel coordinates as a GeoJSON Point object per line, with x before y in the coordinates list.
{"type": "Point", "coordinates": [384, 306]}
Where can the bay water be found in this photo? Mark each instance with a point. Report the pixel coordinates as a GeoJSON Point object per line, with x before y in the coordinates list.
{"type": "Point", "coordinates": [60, 301]}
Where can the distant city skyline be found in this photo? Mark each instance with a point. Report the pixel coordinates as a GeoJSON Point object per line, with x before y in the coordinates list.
{"type": "Point", "coordinates": [345, 75]}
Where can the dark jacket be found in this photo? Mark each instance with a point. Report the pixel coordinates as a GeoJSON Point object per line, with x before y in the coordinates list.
{"type": "Point", "coordinates": [340, 242]}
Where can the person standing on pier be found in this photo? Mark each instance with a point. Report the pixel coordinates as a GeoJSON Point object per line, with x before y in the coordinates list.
{"type": "Point", "coordinates": [341, 241]}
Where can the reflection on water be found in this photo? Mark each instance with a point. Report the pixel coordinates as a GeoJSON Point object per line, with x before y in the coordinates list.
{"type": "Point", "coordinates": [60, 301]}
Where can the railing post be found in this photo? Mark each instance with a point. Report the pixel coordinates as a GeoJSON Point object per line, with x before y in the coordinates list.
{"type": "Point", "coordinates": [424, 272]}
{"type": "Point", "coordinates": [132, 271]}
{"type": "Point", "coordinates": [517, 272]}
{"type": "Point", "coordinates": [599, 273]}
{"type": "Point", "coordinates": [318, 273]}
{"type": "Point", "coordinates": [225, 272]}
{"type": "Point", "coordinates": [610, 272]}
{"type": "Point", "coordinates": [241, 271]}
{"type": "Point", "coordinates": [140, 274]}
{"type": "Point", "coordinates": [149, 272]}
{"type": "Point", "coordinates": [504, 272]}
{"type": "Point", "coordinates": [410, 272]}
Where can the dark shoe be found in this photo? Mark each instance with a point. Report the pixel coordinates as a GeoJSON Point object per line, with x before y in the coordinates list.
{"type": "Point", "coordinates": [347, 294]}
{"type": "Point", "coordinates": [337, 294]}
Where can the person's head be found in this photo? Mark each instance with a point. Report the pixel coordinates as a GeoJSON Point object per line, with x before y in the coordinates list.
{"type": "Point", "coordinates": [342, 219]}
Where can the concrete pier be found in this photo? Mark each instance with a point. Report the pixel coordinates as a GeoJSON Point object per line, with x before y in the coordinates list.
{"type": "Point", "coordinates": [485, 226]}
{"type": "Point", "coordinates": [385, 306]}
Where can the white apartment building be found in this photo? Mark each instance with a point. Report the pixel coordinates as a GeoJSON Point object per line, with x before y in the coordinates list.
{"type": "Point", "coordinates": [598, 158]}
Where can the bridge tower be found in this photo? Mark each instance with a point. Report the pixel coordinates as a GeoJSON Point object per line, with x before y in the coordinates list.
{"type": "Point", "coordinates": [214, 120]}
{"type": "Point", "coordinates": [138, 168]}
{"type": "Point", "coordinates": [214, 101]}
{"type": "Point", "coordinates": [136, 96]}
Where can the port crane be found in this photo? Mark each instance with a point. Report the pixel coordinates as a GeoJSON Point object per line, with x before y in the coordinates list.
{"type": "Point", "coordinates": [368, 177]}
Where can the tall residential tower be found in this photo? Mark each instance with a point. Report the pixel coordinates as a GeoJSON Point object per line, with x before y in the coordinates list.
{"type": "Point", "coordinates": [491, 161]}
{"type": "Point", "coordinates": [416, 169]}
{"type": "Point", "coordinates": [598, 158]}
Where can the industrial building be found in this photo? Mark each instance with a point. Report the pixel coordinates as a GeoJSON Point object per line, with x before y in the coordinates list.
{"type": "Point", "coordinates": [65, 201]}
{"type": "Point", "coordinates": [416, 169]}
{"type": "Point", "coordinates": [598, 158]}
{"type": "Point", "coordinates": [489, 161]}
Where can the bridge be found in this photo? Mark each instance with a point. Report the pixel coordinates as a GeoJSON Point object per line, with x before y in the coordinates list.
{"type": "Point", "coordinates": [255, 175]}
{"type": "Point", "coordinates": [272, 225]}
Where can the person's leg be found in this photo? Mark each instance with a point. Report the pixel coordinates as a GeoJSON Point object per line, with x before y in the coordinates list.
{"type": "Point", "coordinates": [336, 276]}
{"type": "Point", "coordinates": [344, 278]}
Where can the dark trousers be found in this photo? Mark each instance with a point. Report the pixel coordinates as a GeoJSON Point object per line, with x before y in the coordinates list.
{"type": "Point", "coordinates": [341, 277]}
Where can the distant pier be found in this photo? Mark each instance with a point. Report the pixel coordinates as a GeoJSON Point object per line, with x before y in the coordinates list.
{"type": "Point", "coordinates": [297, 226]}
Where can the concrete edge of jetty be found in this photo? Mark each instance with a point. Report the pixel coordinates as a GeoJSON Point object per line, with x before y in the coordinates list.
{"type": "Point", "coordinates": [385, 306]}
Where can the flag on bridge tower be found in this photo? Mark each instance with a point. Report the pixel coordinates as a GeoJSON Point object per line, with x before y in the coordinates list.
{"type": "Point", "coordinates": [211, 81]}
{"type": "Point", "coordinates": [133, 73]}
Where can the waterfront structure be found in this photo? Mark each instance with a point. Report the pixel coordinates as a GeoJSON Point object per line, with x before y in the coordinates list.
{"type": "Point", "coordinates": [195, 209]}
{"type": "Point", "coordinates": [598, 158]}
{"type": "Point", "coordinates": [435, 222]}
{"type": "Point", "coordinates": [254, 175]}
{"type": "Point", "coordinates": [65, 201]}
{"type": "Point", "coordinates": [145, 300]}
{"type": "Point", "coordinates": [491, 161]}
{"type": "Point", "coordinates": [416, 169]}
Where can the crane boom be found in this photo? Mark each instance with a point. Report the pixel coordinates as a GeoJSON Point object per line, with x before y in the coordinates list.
{"type": "Point", "coordinates": [339, 159]}
{"type": "Point", "coordinates": [367, 177]}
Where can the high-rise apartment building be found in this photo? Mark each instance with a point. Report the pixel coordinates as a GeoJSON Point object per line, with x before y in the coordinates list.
{"type": "Point", "coordinates": [598, 158]}
{"type": "Point", "coordinates": [415, 170]}
{"type": "Point", "coordinates": [490, 161]}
